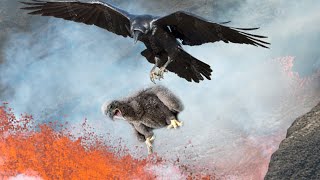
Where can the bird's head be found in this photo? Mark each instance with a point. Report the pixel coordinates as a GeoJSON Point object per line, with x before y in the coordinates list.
{"type": "Point", "coordinates": [113, 110]}
{"type": "Point", "coordinates": [139, 26]}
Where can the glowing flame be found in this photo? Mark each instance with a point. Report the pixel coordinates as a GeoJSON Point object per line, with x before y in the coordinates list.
{"type": "Point", "coordinates": [53, 155]}
{"type": "Point", "coordinates": [44, 152]}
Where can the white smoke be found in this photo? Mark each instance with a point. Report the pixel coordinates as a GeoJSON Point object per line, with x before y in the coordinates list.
{"type": "Point", "coordinates": [68, 69]}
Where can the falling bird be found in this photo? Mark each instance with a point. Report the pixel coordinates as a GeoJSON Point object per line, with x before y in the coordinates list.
{"type": "Point", "coordinates": [149, 109]}
{"type": "Point", "coordinates": [162, 36]}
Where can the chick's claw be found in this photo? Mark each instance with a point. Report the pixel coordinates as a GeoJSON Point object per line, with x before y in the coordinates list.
{"type": "Point", "coordinates": [175, 123]}
{"type": "Point", "coordinates": [149, 142]}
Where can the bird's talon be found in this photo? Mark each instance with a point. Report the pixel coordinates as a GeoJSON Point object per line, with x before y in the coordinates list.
{"type": "Point", "coordinates": [153, 76]}
{"type": "Point", "coordinates": [160, 73]}
{"type": "Point", "coordinates": [152, 139]}
{"type": "Point", "coordinates": [157, 75]}
{"type": "Point", "coordinates": [149, 142]}
{"type": "Point", "coordinates": [152, 80]}
{"type": "Point", "coordinates": [150, 150]}
{"type": "Point", "coordinates": [175, 124]}
{"type": "Point", "coordinates": [180, 123]}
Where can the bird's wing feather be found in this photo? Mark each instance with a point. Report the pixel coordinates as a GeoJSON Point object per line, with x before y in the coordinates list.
{"type": "Point", "coordinates": [194, 30]}
{"type": "Point", "coordinates": [166, 97]}
{"type": "Point", "coordinates": [92, 13]}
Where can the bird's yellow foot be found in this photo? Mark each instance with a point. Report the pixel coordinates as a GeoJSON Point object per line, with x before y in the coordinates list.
{"type": "Point", "coordinates": [161, 71]}
{"type": "Point", "coordinates": [149, 142]}
{"type": "Point", "coordinates": [153, 76]}
{"type": "Point", "coordinates": [175, 123]}
{"type": "Point", "coordinates": [157, 74]}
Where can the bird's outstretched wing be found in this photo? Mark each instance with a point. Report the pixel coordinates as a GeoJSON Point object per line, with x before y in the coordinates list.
{"type": "Point", "coordinates": [98, 13]}
{"type": "Point", "coordinates": [194, 30]}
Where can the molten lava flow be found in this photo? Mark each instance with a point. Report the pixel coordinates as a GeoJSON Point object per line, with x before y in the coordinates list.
{"type": "Point", "coordinates": [53, 155]}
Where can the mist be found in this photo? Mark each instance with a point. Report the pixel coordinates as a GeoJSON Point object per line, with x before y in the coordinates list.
{"type": "Point", "coordinates": [62, 70]}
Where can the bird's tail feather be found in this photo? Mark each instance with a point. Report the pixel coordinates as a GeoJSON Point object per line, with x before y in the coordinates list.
{"type": "Point", "coordinates": [184, 65]}
{"type": "Point", "coordinates": [190, 67]}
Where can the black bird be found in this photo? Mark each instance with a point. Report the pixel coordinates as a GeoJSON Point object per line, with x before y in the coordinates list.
{"type": "Point", "coordinates": [160, 35]}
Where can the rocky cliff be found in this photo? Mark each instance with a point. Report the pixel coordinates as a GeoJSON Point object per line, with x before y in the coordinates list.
{"type": "Point", "coordinates": [298, 156]}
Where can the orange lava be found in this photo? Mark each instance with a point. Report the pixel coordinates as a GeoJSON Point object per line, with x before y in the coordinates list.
{"type": "Point", "coordinates": [53, 155]}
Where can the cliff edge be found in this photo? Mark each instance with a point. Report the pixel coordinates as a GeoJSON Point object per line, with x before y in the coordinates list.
{"type": "Point", "coordinates": [298, 156]}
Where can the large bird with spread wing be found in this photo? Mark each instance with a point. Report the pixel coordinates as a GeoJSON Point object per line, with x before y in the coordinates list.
{"type": "Point", "coordinates": [160, 35]}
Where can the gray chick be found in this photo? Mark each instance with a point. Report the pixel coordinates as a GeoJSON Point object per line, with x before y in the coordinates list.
{"type": "Point", "coordinates": [152, 108]}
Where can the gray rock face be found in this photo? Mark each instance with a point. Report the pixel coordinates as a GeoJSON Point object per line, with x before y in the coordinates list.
{"type": "Point", "coordinates": [298, 156]}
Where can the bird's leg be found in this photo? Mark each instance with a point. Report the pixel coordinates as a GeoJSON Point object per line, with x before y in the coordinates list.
{"type": "Point", "coordinates": [139, 136]}
{"type": "Point", "coordinates": [153, 72]}
{"type": "Point", "coordinates": [174, 123]}
{"type": "Point", "coordinates": [148, 134]}
{"type": "Point", "coordinates": [163, 68]}
{"type": "Point", "coordinates": [149, 142]}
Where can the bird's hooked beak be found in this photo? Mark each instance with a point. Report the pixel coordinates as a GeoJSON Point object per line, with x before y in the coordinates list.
{"type": "Point", "coordinates": [136, 35]}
